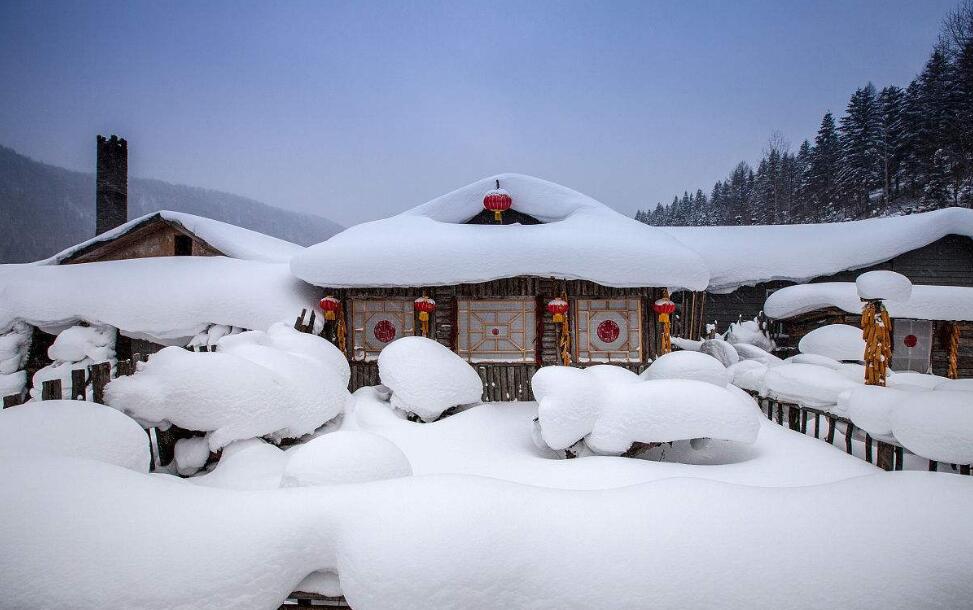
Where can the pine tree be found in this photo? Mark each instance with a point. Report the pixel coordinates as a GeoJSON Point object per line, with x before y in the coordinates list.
{"type": "Point", "coordinates": [860, 143]}
{"type": "Point", "coordinates": [823, 170]}
{"type": "Point", "coordinates": [801, 209]}
{"type": "Point", "coordinates": [890, 101]}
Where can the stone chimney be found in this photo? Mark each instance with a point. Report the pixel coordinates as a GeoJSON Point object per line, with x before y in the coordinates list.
{"type": "Point", "coordinates": [111, 197]}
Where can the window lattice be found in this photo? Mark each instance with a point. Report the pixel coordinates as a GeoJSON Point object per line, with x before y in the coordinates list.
{"type": "Point", "coordinates": [375, 323]}
{"type": "Point", "coordinates": [501, 330]}
{"type": "Point", "coordinates": [608, 330]}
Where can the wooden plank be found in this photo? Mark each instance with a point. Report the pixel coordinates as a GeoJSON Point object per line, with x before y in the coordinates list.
{"type": "Point", "coordinates": [831, 427]}
{"type": "Point", "coordinates": [100, 375]}
{"type": "Point", "coordinates": [817, 425]}
{"type": "Point", "coordinates": [79, 383]}
{"type": "Point", "coordinates": [12, 400]}
{"type": "Point", "coordinates": [51, 389]}
{"type": "Point", "coordinates": [885, 458]}
{"type": "Point", "coordinates": [849, 431]}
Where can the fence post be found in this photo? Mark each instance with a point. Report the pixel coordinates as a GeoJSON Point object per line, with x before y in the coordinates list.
{"type": "Point", "coordinates": [817, 425]}
{"type": "Point", "coordinates": [51, 389]}
{"type": "Point", "coordinates": [886, 456]}
{"type": "Point", "coordinates": [868, 448]}
{"type": "Point", "coordinates": [831, 426]}
{"type": "Point", "coordinates": [100, 376]}
{"type": "Point", "coordinates": [12, 400]}
{"type": "Point", "coordinates": [78, 385]}
{"type": "Point", "coordinates": [849, 431]}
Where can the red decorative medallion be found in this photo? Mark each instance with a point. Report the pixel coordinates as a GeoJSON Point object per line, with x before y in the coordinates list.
{"type": "Point", "coordinates": [495, 331]}
{"type": "Point", "coordinates": [910, 340]}
{"type": "Point", "coordinates": [384, 331]}
{"type": "Point", "coordinates": [608, 331]}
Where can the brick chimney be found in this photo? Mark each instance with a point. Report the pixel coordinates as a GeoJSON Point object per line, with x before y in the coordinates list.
{"type": "Point", "coordinates": [111, 197]}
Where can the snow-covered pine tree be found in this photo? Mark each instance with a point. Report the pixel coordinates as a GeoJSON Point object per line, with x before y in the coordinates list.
{"type": "Point", "coordinates": [860, 142]}
{"type": "Point", "coordinates": [890, 101]}
{"type": "Point", "coordinates": [823, 171]}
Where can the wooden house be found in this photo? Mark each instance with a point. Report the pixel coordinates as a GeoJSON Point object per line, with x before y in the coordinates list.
{"type": "Point", "coordinates": [493, 268]}
{"type": "Point", "coordinates": [749, 263]}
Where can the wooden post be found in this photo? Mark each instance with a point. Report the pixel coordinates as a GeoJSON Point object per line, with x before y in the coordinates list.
{"type": "Point", "coordinates": [803, 421]}
{"type": "Point", "coordinates": [886, 456]}
{"type": "Point", "coordinates": [78, 385]}
{"type": "Point", "coordinates": [793, 417]}
{"type": "Point", "coordinates": [51, 390]}
{"type": "Point", "coordinates": [299, 324]}
{"type": "Point", "coordinates": [868, 448]}
{"type": "Point", "coordinates": [831, 426]}
{"type": "Point", "coordinates": [849, 431]}
{"type": "Point", "coordinates": [13, 400]}
{"type": "Point", "coordinates": [780, 413]}
{"type": "Point", "coordinates": [817, 425]}
{"type": "Point", "coordinates": [933, 465]}
{"type": "Point", "coordinates": [964, 469]}
{"type": "Point", "coordinates": [100, 376]}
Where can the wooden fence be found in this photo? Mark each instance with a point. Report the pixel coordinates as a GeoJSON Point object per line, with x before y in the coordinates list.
{"type": "Point", "coordinates": [887, 456]}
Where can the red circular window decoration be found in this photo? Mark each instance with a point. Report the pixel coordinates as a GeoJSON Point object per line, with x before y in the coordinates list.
{"type": "Point", "coordinates": [910, 340]}
{"type": "Point", "coordinates": [608, 331]}
{"type": "Point", "coordinates": [496, 332]}
{"type": "Point", "coordinates": [384, 331]}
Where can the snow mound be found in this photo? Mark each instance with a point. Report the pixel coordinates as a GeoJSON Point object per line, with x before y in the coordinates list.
{"type": "Point", "coordinates": [280, 383]}
{"type": "Point", "coordinates": [73, 428]}
{"type": "Point", "coordinates": [936, 425]}
{"type": "Point", "coordinates": [747, 374]}
{"type": "Point", "coordinates": [344, 457]}
{"type": "Point", "coordinates": [723, 351]}
{"type": "Point", "coordinates": [249, 464]}
{"type": "Point", "coordinates": [926, 302]}
{"type": "Point", "coordinates": [568, 402]}
{"type": "Point", "coordinates": [14, 345]}
{"type": "Point", "coordinates": [688, 365]}
{"type": "Point", "coordinates": [752, 352]}
{"type": "Point", "coordinates": [190, 454]}
{"type": "Point", "coordinates": [77, 347]}
{"type": "Point", "coordinates": [426, 377]}
{"type": "Point", "coordinates": [815, 359]}
{"type": "Point", "coordinates": [912, 380]}
{"type": "Point", "coordinates": [607, 247]}
{"type": "Point", "coordinates": [838, 341]}
{"type": "Point", "coordinates": [748, 332]}
{"type": "Point", "coordinates": [956, 385]}
{"type": "Point", "coordinates": [884, 285]}
{"type": "Point", "coordinates": [870, 408]}
{"type": "Point", "coordinates": [805, 384]}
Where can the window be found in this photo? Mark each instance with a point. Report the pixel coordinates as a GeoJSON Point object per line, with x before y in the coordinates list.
{"type": "Point", "coordinates": [911, 345]}
{"type": "Point", "coordinates": [377, 322]}
{"type": "Point", "coordinates": [501, 330]}
{"type": "Point", "coordinates": [608, 330]}
{"type": "Point", "coordinates": [183, 245]}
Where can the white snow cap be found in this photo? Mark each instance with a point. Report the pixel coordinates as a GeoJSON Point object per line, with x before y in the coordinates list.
{"type": "Point", "coordinates": [926, 302]}
{"type": "Point", "coordinates": [936, 425]}
{"type": "Point", "coordinates": [231, 240]}
{"type": "Point", "coordinates": [688, 365]}
{"type": "Point", "coordinates": [748, 255]}
{"type": "Point", "coordinates": [73, 428]}
{"type": "Point", "coordinates": [838, 341]}
{"type": "Point", "coordinates": [806, 384]}
{"type": "Point", "coordinates": [426, 377]}
{"type": "Point", "coordinates": [431, 245]}
{"type": "Point", "coordinates": [165, 299]}
{"type": "Point", "coordinates": [885, 285]}
{"type": "Point", "coordinates": [345, 456]}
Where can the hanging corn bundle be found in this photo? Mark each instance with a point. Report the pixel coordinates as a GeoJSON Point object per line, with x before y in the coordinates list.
{"type": "Point", "coordinates": [876, 330]}
{"type": "Point", "coordinates": [664, 307]}
{"type": "Point", "coordinates": [953, 370]}
{"type": "Point", "coordinates": [558, 308]}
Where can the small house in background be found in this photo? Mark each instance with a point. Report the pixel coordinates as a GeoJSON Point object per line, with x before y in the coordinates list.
{"type": "Point", "coordinates": [749, 263]}
{"type": "Point", "coordinates": [929, 330]}
{"type": "Point", "coordinates": [511, 272]}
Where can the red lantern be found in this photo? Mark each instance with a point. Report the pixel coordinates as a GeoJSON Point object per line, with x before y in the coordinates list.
{"type": "Point", "coordinates": [330, 306]}
{"type": "Point", "coordinates": [425, 306]}
{"type": "Point", "coordinates": [497, 201]}
{"type": "Point", "coordinates": [557, 308]}
{"type": "Point", "coordinates": [664, 307]}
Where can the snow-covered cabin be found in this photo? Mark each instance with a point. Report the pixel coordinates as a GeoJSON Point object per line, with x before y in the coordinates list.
{"type": "Point", "coordinates": [492, 281]}
{"type": "Point", "coordinates": [748, 263]}
{"type": "Point", "coordinates": [921, 326]}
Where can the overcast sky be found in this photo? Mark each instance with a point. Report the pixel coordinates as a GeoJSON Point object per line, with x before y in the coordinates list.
{"type": "Point", "coordinates": [359, 110]}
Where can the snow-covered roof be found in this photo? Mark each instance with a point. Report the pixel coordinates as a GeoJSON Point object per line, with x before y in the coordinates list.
{"type": "Point", "coordinates": [431, 245]}
{"type": "Point", "coordinates": [231, 240]}
{"type": "Point", "coordinates": [163, 299]}
{"type": "Point", "coordinates": [748, 255]}
{"type": "Point", "coordinates": [926, 302]}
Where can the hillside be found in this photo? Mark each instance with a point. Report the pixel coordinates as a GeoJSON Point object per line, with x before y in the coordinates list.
{"type": "Point", "coordinates": [44, 209]}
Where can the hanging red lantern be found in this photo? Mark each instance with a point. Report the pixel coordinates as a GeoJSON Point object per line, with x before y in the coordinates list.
{"type": "Point", "coordinates": [330, 306]}
{"type": "Point", "coordinates": [664, 307]}
{"type": "Point", "coordinates": [557, 307]}
{"type": "Point", "coordinates": [497, 201]}
{"type": "Point", "coordinates": [425, 306]}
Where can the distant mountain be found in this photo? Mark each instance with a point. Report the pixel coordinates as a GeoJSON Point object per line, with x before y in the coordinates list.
{"type": "Point", "coordinates": [44, 209]}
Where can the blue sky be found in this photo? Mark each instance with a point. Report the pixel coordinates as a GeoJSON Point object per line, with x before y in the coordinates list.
{"type": "Point", "coordinates": [359, 110]}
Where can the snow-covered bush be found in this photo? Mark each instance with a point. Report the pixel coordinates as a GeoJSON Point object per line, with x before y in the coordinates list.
{"type": "Point", "coordinates": [344, 457]}
{"type": "Point", "coordinates": [76, 347]}
{"type": "Point", "coordinates": [748, 332]}
{"type": "Point", "coordinates": [838, 341]}
{"type": "Point", "coordinates": [426, 377]}
{"type": "Point", "coordinates": [610, 410]}
{"type": "Point", "coordinates": [885, 285]}
{"type": "Point", "coordinates": [688, 365]}
{"type": "Point", "coordinates": [721, 350]}
{"type": "Point", "coordinates": [280, 383]}
{"type": "Point", "coordinates": [73, 428]}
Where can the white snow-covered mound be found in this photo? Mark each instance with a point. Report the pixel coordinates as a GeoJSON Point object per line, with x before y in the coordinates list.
{"type": "Point", "coordinates": [936, 425]}
{"type": "Point", "coordinates": [752, 352]}
{"type": "Point", "coordinates": [73, 428]}
{"type": "Point", "coordinates": [688, 365]}
{"type": "Point", "coordinates": [610, 410]}
{"type": "Point", "coordinates": [346, 456]}
{"type": "Point", "coordinates": [870, 407]}
{"type": "Point", "coordinates": [606, 247]}
{"type": "Point", "coordinates": [748, 332]}
{"type": "Point", "coordinates": [280, 383]}
{"type": "Point", "coordinates": [815, 359]}
{"type": "Point", "coordinates": [667, 410]}
{"type": "Point", "coordinates": [426, 377]}
{"type": "Point", "coordinates": [748, 255]}
{"type": "Point", "coordinates": [394, 543]}
{"type": "Point", "coordinates": [805, 384]}
{"type": "Point", "coordinates": [164, 299]}
{"type": "Point", "coordinates": [956, 385]}
{"type": "Point", "coordinates": [190, 454]}
{"type": "Point", "coordinates": [926, 302]}
{"type": "Point", "coordinates": [720, 349]}
{"type": "Point", "coordinates": [838, 341]}
{"type": "Point", "coordinates": [248, 464]}
{"type": "Point", "coordinates": [747, 374]}
{"type": "Point", "coordinates": [885, 285]}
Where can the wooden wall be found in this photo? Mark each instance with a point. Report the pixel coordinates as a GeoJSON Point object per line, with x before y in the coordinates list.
{"type": "Point", "coordinates": [155, 238]}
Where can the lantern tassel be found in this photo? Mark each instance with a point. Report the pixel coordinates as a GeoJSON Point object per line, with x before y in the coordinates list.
{"type": "Point", "coordinates": [498, 215]}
